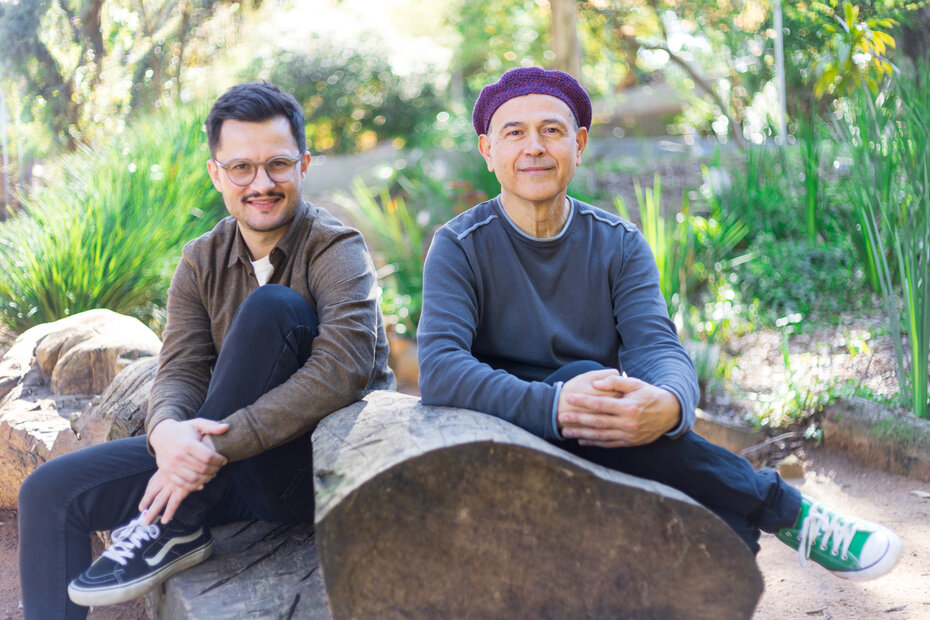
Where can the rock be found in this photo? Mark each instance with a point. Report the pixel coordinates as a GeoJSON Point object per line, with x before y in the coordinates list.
{"type": "Point", "coordinates": [790, 467]}
{"type": "Point", "coordinates": [27, 432]}
{"type": "Point", "coordinates": [86, 351]}
{"type": "Point", "coordinates": [436, 512]}
{"type": "Point", "coordinates": [50, 375]}
{"type": "Point", "coordinates": [20, 359]}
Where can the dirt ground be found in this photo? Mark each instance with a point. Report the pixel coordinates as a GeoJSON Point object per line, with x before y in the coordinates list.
{"type": "Point", "coordinates": [790, 590]}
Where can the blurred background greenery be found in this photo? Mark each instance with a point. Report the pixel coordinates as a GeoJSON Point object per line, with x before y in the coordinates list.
{"type": "Point", "coordinates": [101, 105]}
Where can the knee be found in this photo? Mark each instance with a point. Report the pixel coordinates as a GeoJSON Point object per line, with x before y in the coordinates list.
{"type": "Point", "coordinates": [573, 369]}
{"type": "Point", "coordinates": [39, 489]}
{"type": "Point", "coordinates": [274, 304]}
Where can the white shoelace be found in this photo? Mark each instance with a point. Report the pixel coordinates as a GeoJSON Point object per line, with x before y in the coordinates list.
{"type": "Point", "coordinates": [820, 524]}
{"type": "Point", "coordinates": [129, 538]}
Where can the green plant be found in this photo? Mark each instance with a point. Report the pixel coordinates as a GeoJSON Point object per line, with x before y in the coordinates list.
{"type": "Point", "coordinates": [811, 153]}
{"type": "Point", "coordinates": [799, 399]}
{"type": "Point", "coordinates": [889, 141]}
{"type": "Point", "coordinates": [789, 276]}
{"type": "Point", "coordinates": [672, 243]}
{"type": "Point", "coordinates": [107, 229]}
{"type": "Point", "coordinates": [761, 194]}
{"type": "Point", "coordinates": [398, 239]}
{"type": "Point", "coordinates": [854, 52]}
{"type": "Point", "coordinates": [399, 218]}
{"type": "Point", "coordinates": [352, 97]}
{"type": "Point", "coordinates": [692, 252]}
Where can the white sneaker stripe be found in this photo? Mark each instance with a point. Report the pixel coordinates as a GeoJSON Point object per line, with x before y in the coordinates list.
{"type": "Point", "coordinates": [158, 557]}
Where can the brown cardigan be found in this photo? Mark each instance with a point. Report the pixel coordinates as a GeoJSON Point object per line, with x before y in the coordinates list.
{"type": "Point", "coordinates": [329, 266]}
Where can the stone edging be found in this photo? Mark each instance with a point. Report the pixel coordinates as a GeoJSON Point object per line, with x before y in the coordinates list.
{"type": "Point", "coordinates": [875, 436]}
{"type": "Point", "coordinates": [878, 437]}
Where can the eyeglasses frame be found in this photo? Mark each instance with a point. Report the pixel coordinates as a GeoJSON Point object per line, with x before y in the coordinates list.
{"type": "Point", "coordinates": [259, 164]}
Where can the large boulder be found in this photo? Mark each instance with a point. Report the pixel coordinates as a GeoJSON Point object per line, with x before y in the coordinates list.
{"type": "Point", "coordinates": [48, 383]}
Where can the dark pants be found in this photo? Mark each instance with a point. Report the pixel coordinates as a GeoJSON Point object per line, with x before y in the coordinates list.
{"type": "Point", "coordinates": [724, 482]}
{"type": "Point", "coordinates": [99, 488]}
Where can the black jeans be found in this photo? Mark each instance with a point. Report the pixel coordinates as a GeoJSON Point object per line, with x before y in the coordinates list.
{"type": "Point", "coordinates": [721, 481]}
{"type": "Point", "coordinates": [99, 488]}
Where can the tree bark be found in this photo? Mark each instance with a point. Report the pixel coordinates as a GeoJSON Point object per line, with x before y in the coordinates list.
{"type": "Point", "coordinates": [258, 569]}
{"type": "Point", "coordinates": [435, 512]}
{"type": "Point", "coordinates": [565, 37]}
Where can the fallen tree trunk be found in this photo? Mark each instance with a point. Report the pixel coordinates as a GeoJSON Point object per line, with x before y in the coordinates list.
{"type": "Point", "coordinates": [258, 570]}
{"type": "Point", "coordinates": [434, 512]}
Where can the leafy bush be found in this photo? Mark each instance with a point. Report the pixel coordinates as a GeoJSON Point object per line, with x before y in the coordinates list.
{"type": "Point", "coordinates": [672, 243]}
{"type": "Point", "coordinates": [106, 231]}
{"type": "Point", "coordinates": [796, 276]}
{"type": "Point", "coordinates": [351, 97]}
{"type": "Point", "coordinates": [690, 250]}
{"type": "Point", "coordinates": [759, 192]}
{"type": "Point", "coordinates": [397, 234]}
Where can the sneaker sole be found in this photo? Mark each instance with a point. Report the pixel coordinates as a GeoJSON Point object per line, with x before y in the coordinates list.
{"type": "Point", "coordinates": [134, 589]}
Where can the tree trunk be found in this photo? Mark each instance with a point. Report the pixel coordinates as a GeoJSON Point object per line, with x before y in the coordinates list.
{"type": "Point", "coordinates": [435, 512]}
{"type": "Point", "coordinates": [565, 37]}
{"type": "Point", "coordinates": [258, 569]}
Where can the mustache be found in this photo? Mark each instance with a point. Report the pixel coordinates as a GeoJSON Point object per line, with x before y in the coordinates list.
{"type": "Point", "coordinates": [261, 195]}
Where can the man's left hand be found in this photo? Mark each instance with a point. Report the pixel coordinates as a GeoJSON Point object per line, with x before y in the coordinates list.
{"type": "Point", "coordinates": [631, 412]}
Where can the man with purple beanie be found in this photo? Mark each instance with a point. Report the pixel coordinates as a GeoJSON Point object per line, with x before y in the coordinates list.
{"type": "Point", "coordinates": [546, 312]}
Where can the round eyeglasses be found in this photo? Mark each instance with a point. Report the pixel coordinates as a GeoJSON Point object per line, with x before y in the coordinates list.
{"type": "Point", "coordinates": [242, 171]}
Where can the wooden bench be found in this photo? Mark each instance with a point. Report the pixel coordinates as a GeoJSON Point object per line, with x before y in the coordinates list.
{"type": "Point", "coordinates": [434, 512]}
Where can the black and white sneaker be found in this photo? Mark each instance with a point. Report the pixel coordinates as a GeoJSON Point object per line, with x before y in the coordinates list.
{"type": "Point", "coordinates": [139, 558]}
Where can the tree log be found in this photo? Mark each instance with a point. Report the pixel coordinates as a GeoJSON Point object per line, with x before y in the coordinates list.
{"type": "Point", "coordinates": [436, 512]}
{"type": "Point", "coordinates": [258, 570]}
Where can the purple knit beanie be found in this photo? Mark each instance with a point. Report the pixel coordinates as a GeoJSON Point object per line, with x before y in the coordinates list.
{"type": "Point", "coordinates": [528, 81]}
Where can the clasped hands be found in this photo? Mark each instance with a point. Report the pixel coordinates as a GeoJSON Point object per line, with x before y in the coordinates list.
{"type": "Point", "coordinates": [186, 460]}
{"type": "Point", "coordinates": [606, 409]}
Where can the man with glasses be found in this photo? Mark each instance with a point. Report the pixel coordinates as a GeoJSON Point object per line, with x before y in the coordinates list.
{"type": "Point", "coordinates": [273, 323]}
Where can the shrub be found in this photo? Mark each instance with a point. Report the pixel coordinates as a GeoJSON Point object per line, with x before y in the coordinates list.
{"type": "Point", "coordinates": [797, 276]}
{"type": "Point", "coordinates": [106, 231]}
{"type": "Point", "coordinates": [351, 97]}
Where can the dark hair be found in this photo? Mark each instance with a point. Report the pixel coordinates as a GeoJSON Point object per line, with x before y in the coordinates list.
{"type": "Point", "coordinates": [255, 102]}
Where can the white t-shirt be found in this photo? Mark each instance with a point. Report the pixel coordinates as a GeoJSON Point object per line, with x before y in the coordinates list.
{"type": "Point", "coordinates": [263, 269]}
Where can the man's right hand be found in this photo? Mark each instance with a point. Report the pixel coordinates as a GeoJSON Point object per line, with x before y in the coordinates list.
{"type": "Point", "coordinates": [185, 455]}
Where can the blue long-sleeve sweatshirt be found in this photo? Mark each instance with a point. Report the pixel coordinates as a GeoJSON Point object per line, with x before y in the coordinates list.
{"type": "Point", "coordinates": [503, 310]}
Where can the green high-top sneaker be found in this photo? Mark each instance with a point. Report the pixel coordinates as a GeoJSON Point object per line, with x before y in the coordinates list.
{"type": "Point", "coordinates": [849, 548]}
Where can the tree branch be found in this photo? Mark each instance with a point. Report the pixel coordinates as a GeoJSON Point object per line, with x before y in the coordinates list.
{"type": "Point", "coordinates": [735, 128]}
